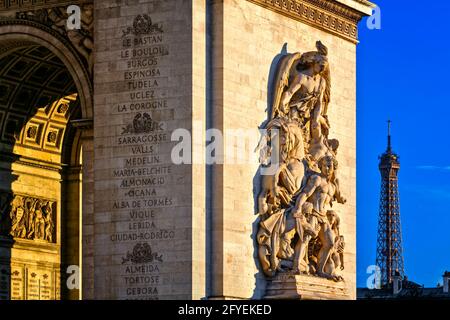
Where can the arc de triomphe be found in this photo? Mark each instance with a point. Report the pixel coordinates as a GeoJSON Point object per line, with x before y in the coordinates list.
{"type": "Point", "coordinates": [92, 204]}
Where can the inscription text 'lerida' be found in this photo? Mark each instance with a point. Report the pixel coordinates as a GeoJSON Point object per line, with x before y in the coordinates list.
{"type": "Point", "coordinates": [298, 232]}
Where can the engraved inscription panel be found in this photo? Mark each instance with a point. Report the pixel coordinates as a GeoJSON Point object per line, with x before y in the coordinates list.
{"type": "Point", "coordinates": [144, 100]}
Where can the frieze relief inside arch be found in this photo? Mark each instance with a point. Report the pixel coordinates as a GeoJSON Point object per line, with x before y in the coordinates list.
{"type": "Point", "coordinates": [25, 217]}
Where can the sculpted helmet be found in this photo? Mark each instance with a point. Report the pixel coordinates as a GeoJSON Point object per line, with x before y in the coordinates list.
{"type": "Point", "coordinates": [308, 58]}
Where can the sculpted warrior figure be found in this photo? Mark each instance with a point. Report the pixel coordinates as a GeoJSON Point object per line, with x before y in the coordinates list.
{"type": "Point", "coordinates": [295, 198]}
{"type": "Point", "coordinates": [305, 230]}
{"type": "Point", "coordinates": [303, 90]}
{"type": "Point", "coordinates": [30, 209]}
{"type": "Point", "coordinates": [39, 221]}
{"type": "Point", "coordinates": [321, 191]}
{"type": "Point", "coordinates": [49, 226]}
{"type": "Point", "coordinates": [337, 256]}
{"type": "Point", "coordinates": [18, 217]}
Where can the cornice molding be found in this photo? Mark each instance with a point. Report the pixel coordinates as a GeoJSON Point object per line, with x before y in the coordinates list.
{"type": "Point", "coordinates": [84, 124]}
{"type": "Point", "coordinates": [328, 15]}
{"type": "Point", "coordinates": [12, 5]}
{"type": "Point", "coordinates": [9, 157]}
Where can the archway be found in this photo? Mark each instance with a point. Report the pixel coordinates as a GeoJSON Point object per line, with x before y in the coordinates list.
{"type": "Point", "coordinates": [45, 159]}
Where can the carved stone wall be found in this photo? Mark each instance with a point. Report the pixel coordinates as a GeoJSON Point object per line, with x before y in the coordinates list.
{"type": "Point", "coordinates": [29, 252]}
{"type": "Point", "coordinates": [14, 5]}
{"type": "Point", "coordinates": [329, 16]}
{"type": "Point", "coordinates": [46, 83]}
{"type": "Point", "coordinates": [150, 213]}
{"type": "Point", "coordinates": [25, 281]}
{"type": "Point", "coordinates": [25, 217]}
{"type": "Point", "coordinates": [30, 235]}
{"type": "Point", "coordinates": [253, 41]}
{"type": "Point", "coordinates": [55, 18]}
{"type": "Point", "coordinates": [187, 231]}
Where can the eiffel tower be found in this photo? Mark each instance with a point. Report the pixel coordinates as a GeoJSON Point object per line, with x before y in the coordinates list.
{"type": "Point", "coordinates": [389, 238]}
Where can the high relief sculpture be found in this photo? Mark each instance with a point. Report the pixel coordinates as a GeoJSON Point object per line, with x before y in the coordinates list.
{"type": "Point", "coordinates": [27, 218]}
{"type": "Point", "coordinates": [298, 232]}
{"type": "Point", "coordinates": [56, 18]}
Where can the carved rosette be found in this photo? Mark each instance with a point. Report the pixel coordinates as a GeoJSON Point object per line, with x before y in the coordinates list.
{"type": "Point", "coordinates": [142, 25]}
{"type": "Point", "coordinates": [142, 253]}
{"type": "Point", "coordinates": [142, 123]}
{"type": "Point", "coordinates": [299, 233]}
{"type": "Point", "coordinates": [26, 217]}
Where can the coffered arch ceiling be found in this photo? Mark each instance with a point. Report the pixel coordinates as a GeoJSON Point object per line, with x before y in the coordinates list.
{"type": "Point", "coordinates": [38, 98]}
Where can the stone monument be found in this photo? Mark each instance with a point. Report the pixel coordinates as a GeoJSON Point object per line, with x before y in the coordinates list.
{"type": "Point", "coordinates": [90, 121]}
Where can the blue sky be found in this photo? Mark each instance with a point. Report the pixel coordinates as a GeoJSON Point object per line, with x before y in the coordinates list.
{"type": "Point", "coordinates": [403, 74]}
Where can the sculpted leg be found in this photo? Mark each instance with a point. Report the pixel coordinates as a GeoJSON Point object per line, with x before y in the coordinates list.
{"type": "Point", "coordinates": [301, 249]}
{"type": "Point", "coordinates": [326, 238]}
{"type": "Point", "coordinates": [299, 256]}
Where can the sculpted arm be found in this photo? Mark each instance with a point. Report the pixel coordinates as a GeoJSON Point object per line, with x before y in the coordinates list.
{"type": "Point", "coordinates": [276, 188]}
{"type": "Point", "coordinates": [293, 88]}
{"type": "Point", "coordinates": [317, 115]}
{"type": "Point", "coordinates": [311, 186]}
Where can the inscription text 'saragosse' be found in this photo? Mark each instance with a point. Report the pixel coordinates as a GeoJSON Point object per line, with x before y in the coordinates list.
{"type": "Point", "coordinates": [143, 174]}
